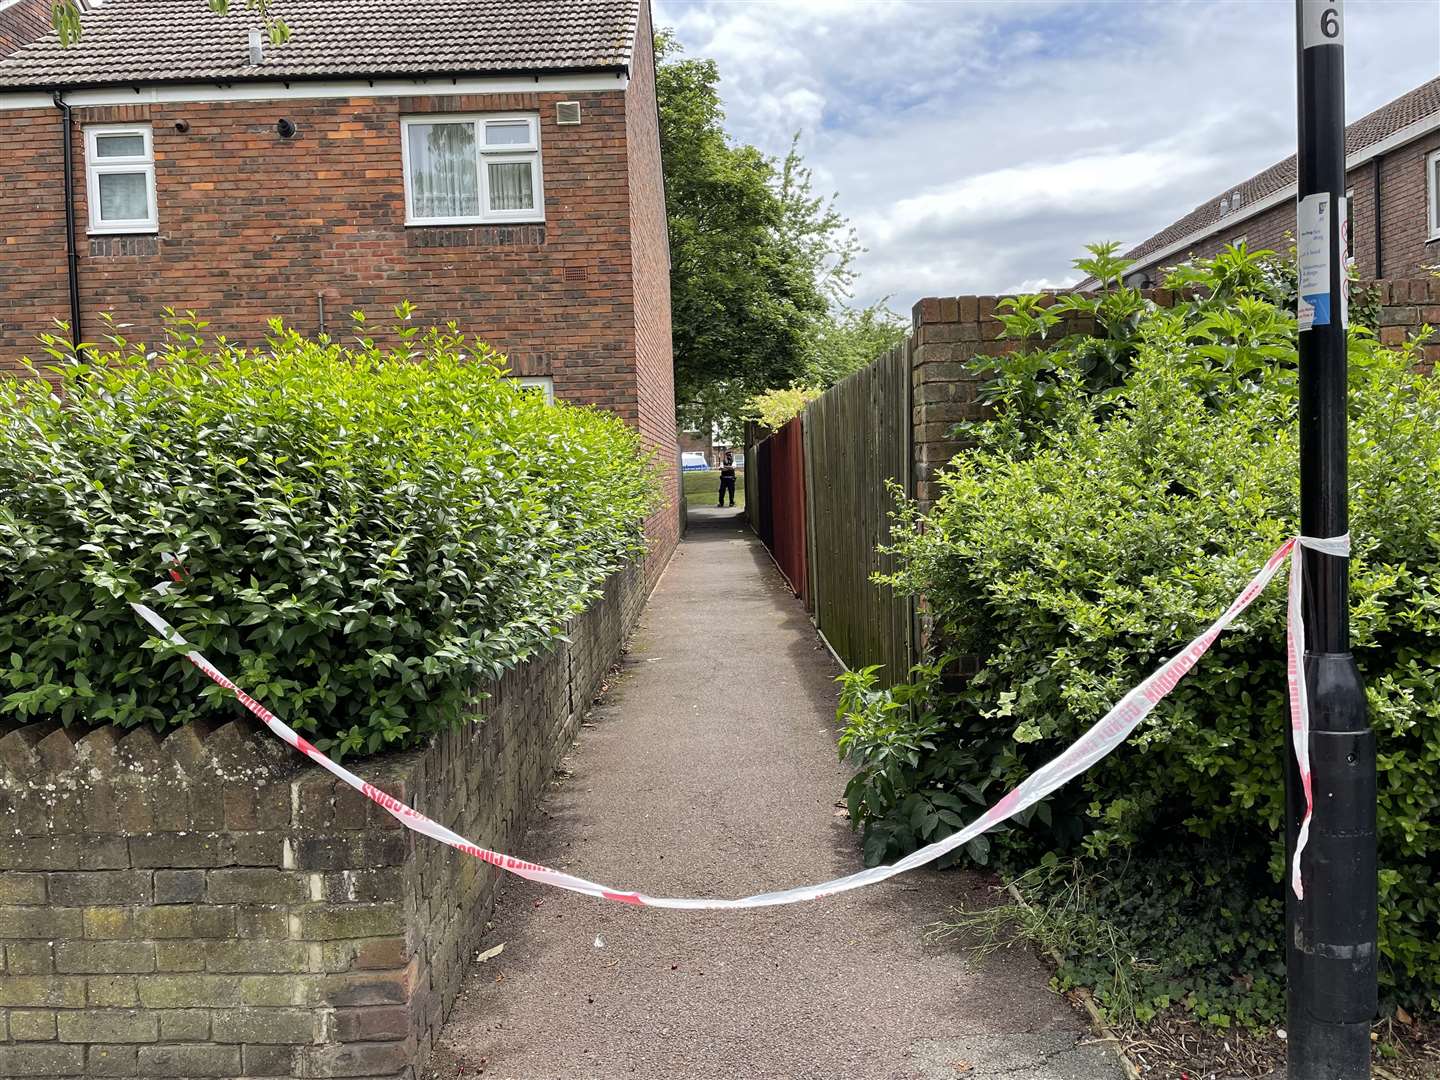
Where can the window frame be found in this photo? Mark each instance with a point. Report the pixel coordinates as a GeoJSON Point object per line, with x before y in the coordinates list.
{"type": "Point", "coordinates": [544, 383]}
{"type": "Point", "coordinates": [96, 166]}
{"type": "Point", "coordinates": [529, 152]}
{"type": "Point", "coordinates": [1432, 200]}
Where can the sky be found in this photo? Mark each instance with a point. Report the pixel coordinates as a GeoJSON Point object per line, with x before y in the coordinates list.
{"type": "Point", "coordinates": [977, 145]}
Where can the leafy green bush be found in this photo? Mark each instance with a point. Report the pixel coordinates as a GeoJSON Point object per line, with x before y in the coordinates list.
{"type": "Point", "coordinates": [912, 786]}
{"type": "Point", "coordinates": [364, 534]}
{"type": "Point", "coordinates": [775, 408]}
{"type": "Point", "coordinates": [1032, 389]}
{"type": "Point", "coordinates": [1072, 552]}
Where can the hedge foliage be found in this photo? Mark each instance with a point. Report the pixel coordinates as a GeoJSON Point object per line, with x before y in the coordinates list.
{"type": "Point", "coordinates": [1095, 529]}
{"type": "Point", "coordinates": [364, 534]}
{"type": "Point", "coordinates": [775, 408]}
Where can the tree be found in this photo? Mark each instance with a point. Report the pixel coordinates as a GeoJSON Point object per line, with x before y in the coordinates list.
{"type": "Point", "coordinates": [65, 14]}
{"type": "Point", "coordinates": [758, 260]}
{"type": "Point", "coordinates": [740, 298]}
{"type": "Point", "coordinates": [852, 338]}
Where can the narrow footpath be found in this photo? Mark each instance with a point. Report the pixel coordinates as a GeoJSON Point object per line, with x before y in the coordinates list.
{"type": "Point", "coordinates": [710, 769]}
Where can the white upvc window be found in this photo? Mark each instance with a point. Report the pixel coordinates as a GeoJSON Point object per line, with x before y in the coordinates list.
{"type": "Point", "coordinates": [1432, 203]}
{"type": "Point", "coordinates": [544, 385]}
{"type": "Point", "coordinates": [462, 170]}
{"type": "Point", "coordinates": [120, 179]}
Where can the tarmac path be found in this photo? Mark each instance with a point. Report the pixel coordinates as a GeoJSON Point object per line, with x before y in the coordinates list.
{"type": "Point", "coordinates": [710, 769]}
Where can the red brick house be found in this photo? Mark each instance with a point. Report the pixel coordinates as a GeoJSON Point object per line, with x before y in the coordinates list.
{"type": "Point", "coordinates": [1393, 171]}
{"type": "Point", "coordinates": [23, 21]}
{"type": "Point", "coordinates": [496, 162]}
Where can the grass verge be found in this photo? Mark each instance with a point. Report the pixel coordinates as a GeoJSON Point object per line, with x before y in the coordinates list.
{"type": "Point", "coordinates": [703, 488]}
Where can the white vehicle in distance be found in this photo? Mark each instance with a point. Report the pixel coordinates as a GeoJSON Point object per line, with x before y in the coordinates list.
{"type": "Point", "coordinates": [693, 461]}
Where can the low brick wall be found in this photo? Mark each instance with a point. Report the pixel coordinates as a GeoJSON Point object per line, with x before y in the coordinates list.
{"type": "Point", "coordinates": [207, 904]}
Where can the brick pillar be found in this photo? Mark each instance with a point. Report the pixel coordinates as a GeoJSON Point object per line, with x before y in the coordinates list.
{"type": "Point", "coordinates": [946, 334]}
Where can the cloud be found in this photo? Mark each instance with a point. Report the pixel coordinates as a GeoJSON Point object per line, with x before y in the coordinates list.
{"type": "Point", "coordinates": [979, 145]}
{"type": "Point", "coordinates": [1089, 184]}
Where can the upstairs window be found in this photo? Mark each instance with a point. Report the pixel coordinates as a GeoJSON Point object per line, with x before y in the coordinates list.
{"type": "Point", "coordinates": [1432, 205]}
{"type": "Point", "coordinates": [120, 179]}
{"type": "Point", "coordinates": [471, 169]}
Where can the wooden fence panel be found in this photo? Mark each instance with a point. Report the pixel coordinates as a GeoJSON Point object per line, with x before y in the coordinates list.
{"type": "Point", "coordinates": [755, 435]}
{"type": "Point", "coordinates": [763, 521]}
{"type": "Point", "coordinates": [857, 440]}
{"type": "Point", "coordinates": [786, 504]}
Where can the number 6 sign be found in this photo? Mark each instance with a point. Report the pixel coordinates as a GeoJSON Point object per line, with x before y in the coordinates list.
{"type": "Point", "coordinates": [1322, 23]}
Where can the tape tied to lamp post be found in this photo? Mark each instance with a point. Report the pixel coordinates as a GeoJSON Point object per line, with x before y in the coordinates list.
{"type": "Point", "coordinates": [1098, 741]}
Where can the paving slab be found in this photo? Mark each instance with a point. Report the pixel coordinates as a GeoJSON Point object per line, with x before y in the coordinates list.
{"type": "Point", "coordinates": [710, 769]}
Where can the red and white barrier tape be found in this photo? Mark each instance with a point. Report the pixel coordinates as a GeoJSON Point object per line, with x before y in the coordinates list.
{"type": "Point", "coordinates": [1102, 737]}
{"type": "Point", "coordinates": [1338, 546]}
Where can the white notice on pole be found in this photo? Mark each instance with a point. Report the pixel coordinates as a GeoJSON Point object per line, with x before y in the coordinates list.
{"type": "Point", "coordinates": [1322, 22]}
{"type": "Point", "coordinates": [1342, 220]}
{"type": "Point", "coordinates": [1312, 249]}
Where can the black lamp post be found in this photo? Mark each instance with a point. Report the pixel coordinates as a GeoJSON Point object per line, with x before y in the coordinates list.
{"type": "Point", "coordinates": [1330, 934]}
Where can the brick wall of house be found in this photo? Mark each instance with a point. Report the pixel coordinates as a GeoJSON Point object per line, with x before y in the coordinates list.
{"type": "Point", "coordinates": [1405, 249]}
{"type": "Point", "coordinates": [692, 442]}
{"type": "Point", "coordinates": [22, 23]}
{"type": "Point", "coordinates": [254, 225]}
{"type": "Point", "coordinates": [32, 259]}
{"type": "Point", "coordinates": [650, 253]}
{"type": "Point", "coordinates": [209, 905]}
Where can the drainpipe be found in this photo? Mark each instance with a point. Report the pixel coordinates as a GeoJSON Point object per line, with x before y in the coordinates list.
{"type": "Point", "coordinates": [1375, 174]}
{"type": "Point", "coordinates": [72, 256]}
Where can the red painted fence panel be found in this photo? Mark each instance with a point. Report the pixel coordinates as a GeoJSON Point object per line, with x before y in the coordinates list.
{"type": "Point", "coordinates": [787, 505]}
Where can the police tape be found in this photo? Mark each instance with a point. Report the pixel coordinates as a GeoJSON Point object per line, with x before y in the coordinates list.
{"type": "Point", "coordinates": [1339, 547]}
{"type": "Point", "coordinates": [1098, 741]}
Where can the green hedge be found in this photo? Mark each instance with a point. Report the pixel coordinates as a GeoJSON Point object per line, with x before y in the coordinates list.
{"type": "Point", "coordinates": [1073, 555]}
{"type": "Point", "coordinates": [365, 534]}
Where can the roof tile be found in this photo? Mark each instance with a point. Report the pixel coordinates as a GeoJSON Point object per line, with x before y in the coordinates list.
{"type": "Point", "coordinates": [151, 41]}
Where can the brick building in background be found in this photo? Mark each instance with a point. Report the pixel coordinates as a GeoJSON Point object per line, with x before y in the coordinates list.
{"type": "Point", "coordinates": [24, 21]}
{"type": "Point", "coordinates": [497, 163]}
{"type": "Point", "coordinates": [1393, 176]}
